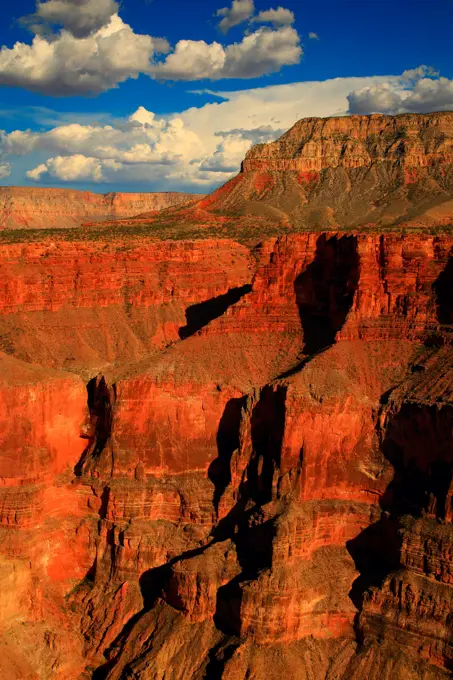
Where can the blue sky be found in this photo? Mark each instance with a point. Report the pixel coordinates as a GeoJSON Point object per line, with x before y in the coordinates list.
{"type": "Point", "coordinates": [208, 110]}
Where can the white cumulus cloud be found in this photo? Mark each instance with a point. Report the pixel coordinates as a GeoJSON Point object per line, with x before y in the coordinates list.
{"type": "Point", "coordinates": [152, 141]}
{"type": "Point", "coordinates": [69, 169]}
{"type": "Point", "coordinates": [143, 147]}
{"type": "Point", "coordinates": [93, 49]}
{"type": "Point", "coordinates": [261, 52]}
{"type": "Point", "coordinates": [430, 95]}
{"type": "Point", "coordinates": [66, 65]}
{"type": "Point", "coordinates": [228, 155]}
{"type": "Point", "coordinates": [417, 90]}
{"type": "Point", "coordinates": [382, 98]}
{"type": "Point", "coordinates": [192, 60]}
{"type": "Point", "coordinates": [79, 17]}
{"type": "Point", "coordinates": [278, 17]}
{"type": "Point", "coordinates": [240, 11]}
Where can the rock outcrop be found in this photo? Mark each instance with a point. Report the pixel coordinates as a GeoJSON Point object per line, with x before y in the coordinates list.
{"type": "Point", "coordinates": [315, 144]}
{"type": "Point", "coordinates": [37, 208]}
{"type": "Point", "coordinates": [232, 458]}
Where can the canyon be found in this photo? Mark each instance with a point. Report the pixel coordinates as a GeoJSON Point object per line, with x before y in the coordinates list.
{"type": "Point", "coordinates": [226, 428]}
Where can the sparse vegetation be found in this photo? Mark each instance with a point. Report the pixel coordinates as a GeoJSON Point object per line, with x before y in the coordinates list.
{"type": "Point", "coordinates": [246, 231]}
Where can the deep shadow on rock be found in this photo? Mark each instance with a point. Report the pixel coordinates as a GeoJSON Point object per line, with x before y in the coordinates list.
{"type": "Point", "coordinates": [443, 288]}
{"type": "Point", "coordinates": [227, 442]}
{"type": "Point", "coordinates": [325, 290]}
{"type": "Point", "coordinates": [201, 314]}
{"type": "Point", "coordinates": [417, 442]}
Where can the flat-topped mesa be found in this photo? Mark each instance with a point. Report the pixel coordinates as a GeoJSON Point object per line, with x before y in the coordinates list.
{"type": "Point", "coordinates": [413, 141]}
{"type": "Point", "coordinates": [41, 208]}
{"type": "Point", "coordinates": [347, 173]}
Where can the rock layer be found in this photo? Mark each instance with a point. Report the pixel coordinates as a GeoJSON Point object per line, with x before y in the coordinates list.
{"type": "Point", "coordinates": [36, 208]}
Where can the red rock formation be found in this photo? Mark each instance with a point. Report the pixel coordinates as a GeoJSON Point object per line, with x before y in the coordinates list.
{"type": "Point", "coordinates": [317, 174]}
{"type": "Point", "coordinates": [95, 303]}
{"type": "Point", "coordinates": [227, 459]}
{"type": "Point", "coordinates": [314, 144]}
{"type": "Point", "coordinates": [37, 208]}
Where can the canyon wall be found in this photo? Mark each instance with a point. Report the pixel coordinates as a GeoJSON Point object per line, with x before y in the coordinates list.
{"type": "Point", "coordinates": [230, 480]}
{"type": "Point", "coordinates": [84, 306]}
{"type": "Point", "coordinates": [37, 208]}
{"type": "Point", "coordinates": [314, 144]}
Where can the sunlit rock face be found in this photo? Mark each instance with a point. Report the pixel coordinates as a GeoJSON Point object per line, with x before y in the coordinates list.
{"type": "Point", "coordinates": [232, 457]}
{"type": "Point", "coordinates": [37, 208]}
{"type": "Point", "coordinates": [349, 172]}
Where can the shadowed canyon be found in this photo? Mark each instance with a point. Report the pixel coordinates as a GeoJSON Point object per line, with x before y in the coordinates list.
{"type": "Point", "coordinates": [226, 421]}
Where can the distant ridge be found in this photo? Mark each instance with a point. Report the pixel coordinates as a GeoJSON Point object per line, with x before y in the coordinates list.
{"type": "Point", "coordinates": [40, 208]}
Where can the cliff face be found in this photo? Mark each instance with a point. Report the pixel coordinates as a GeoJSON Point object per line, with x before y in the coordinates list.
{"type": "Point", "coordinates": [228, 460]}
{"type": "Point", "coordinates": [359, 171]}
{"type": "Point", "coordinates": [85, 306]}
{"type": "Point", "coordinates": [36, 208]}
{"type": "Point", "coordinates": [413, 141]}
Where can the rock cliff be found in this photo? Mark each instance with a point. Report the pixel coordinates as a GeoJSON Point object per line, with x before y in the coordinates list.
{"type": "Point", "coordinates": [231, 457]}
{"type": "Point", "coordinates": [358, 172]}
{"type": "Point", "coordinates": [36, 208]}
